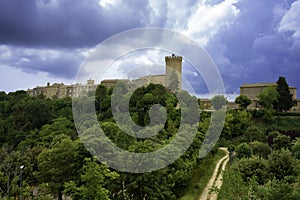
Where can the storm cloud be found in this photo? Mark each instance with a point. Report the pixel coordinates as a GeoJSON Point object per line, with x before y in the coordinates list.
{"type": "Point", "coordinates": [250, 41]}
{"type": "Point", "coordinates": [260, 46]}
{"type": "Point", "coordinates": [64, 23]}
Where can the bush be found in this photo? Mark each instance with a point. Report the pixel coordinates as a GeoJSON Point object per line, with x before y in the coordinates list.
{"type": "Point", "coordinates": [261, 149]}
{"type": "Point", "coordinates": [282, 142]}
{"type": "Point", "coordinates": [254, 167]}
{"type": "Point", "coordinates": [282, 164]}
{"type": "Point", "coordinates": [243, 150]}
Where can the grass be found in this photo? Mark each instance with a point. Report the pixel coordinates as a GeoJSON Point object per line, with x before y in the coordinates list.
{"type": "Point", "coordinates": [233, 187]}
{"type": "Point", "coordinates": [234, 141]}
{"type": "Point", "coordinates": [201, 176]}
{"type": "Point", "coordinates": [287, 123]}
{"type": "Point", "coordinates": [283, 123]}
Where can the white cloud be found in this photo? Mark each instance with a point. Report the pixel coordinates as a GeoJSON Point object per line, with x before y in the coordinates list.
{"type": "Point", "coordinates": [13, 79]}
{"type": "Point", "coordinates": [200, 21]}
{"type": "Point", "coordinates": [130, 65]}
{"type": "Point", "coordinates": [53, 62]}
{"type": "Point", "coordinates": [157, 10]}
{"type": "Point", "coordinates": [178, 14]}
{"type": "Point", "coordinates": [207, 20]}
{"type": "Point", "coordinates": [290, 22]}
{"type": "Point", "coordinates": [229, 97]}
{"type": "Point", "coordinates": [106, 3]}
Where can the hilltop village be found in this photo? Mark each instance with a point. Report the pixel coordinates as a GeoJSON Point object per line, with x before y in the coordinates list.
{"type": "Point", "coordinates": [173, 66]}
{"type": "Point", "coordinates": [43, 155]}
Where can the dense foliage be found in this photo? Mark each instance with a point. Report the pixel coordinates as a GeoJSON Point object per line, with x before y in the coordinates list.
{"type": "Point", "coordinates": [285, 99]}
{"type": "Point", "coordinates": [39, 133]}
{"type": "Point", "coordinates": [243, 101]}
{"type": "Point", "coordinates": [265, 159]}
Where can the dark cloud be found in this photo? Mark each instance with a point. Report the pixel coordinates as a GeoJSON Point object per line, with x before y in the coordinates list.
{"type": "Point", "coordinates": [47, 35]}
{"type": "Point", "coordinates": [253, 50]}
{"type": "Point", "coordinates": [65, 23]}
{"type": "Point", "coordinates": [64, 66]}
{"type": "Point", "coordinates": [51, 36]}
{"type": "Point", "coordinates": [57, 63]}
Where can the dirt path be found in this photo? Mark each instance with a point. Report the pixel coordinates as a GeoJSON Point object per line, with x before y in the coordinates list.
{"type": "Point", "coordinates": [214, 180]}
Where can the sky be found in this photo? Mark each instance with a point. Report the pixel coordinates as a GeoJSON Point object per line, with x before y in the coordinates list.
{"type": "Point", "coordinates": [250, 41]}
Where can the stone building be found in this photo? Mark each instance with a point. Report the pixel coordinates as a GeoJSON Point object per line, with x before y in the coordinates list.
{"type": "Point", "coordinates": [252, 91]}
{"type": "Point", "coordinates": [173, 74]}
{"type": "Point", "coordinates": [59, 90]}
{"type": "Point", "coordinates": [110, 83]}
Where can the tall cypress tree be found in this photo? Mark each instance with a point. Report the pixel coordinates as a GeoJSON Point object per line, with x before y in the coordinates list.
{"type": "Point", "coordinates": [285, 100]}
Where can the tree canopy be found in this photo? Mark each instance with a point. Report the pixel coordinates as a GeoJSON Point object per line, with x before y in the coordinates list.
{"type": "Point", "coordinates": [218, 102]}
{"type": "Point", "coordinates": [243, 101]}
{"type": "Point", "coordinates": [285, 98]}
{"type": "Point", "coordinates": [268, 98]}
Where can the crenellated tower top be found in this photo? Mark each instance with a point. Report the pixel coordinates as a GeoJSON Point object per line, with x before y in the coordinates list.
{"type": "Point", "coordinates": [174, 72]}
{"type": "Point", "coordinates": [173, 58]}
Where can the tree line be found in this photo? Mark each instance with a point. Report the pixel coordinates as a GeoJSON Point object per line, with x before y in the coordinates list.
{"type": "Point", "coordinates": [39, 134]}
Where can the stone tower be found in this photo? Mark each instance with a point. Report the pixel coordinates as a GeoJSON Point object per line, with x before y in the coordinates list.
{"type": "Point", "coordinates": [174, 72]}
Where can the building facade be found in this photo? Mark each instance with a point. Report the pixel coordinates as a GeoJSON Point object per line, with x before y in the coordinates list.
{"type": "Point", "coordinates": [59, 90]}
{"type": "Point", "coordinates": [252, 91]}
{"type": "Point", "coordinates": [173, 75]}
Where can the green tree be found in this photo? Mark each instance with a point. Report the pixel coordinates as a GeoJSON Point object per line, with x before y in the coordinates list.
{"type": "Point", "coordinates": [100, 97]}
{"type": "Point", "coordinates": [59, 163]}
{"type": "Point", "coordinates": [228, 129]}
{"type": "Point", "coordinates": [32, 113]}
{"type": "Point", "coordinates": [254, 167]}
{"type": "Point", "coordinates": [231, 148]}
{"type": "Point", "coordinates": [242, 120]}
{"type": "Point", "coordinates": [296, 148]}
{"type": "Point", "coordinates": [282, 164]}
{"type": "Point", "coordinates": [285, 99]}
{"type": "Point", "coordinates": [282, 141]}
{"type": "Point", "coordinates": [58, 126]}
{"type": "Point", "coordinates": [218, 102]}
{"type": "Point", "coordinates": [2, 95]}
{"type": "Point", "coordinates": [10, 162]}
{"type": "Point", "coordinates": [272, 135]}
{"type": "Point", "coordinates": [253, 133]}
{"type": "Point", "coordinates": [63, 108]}
{"type": "Point", "coordinates": [276, 189]}
{"type": "Point", "coordinates": [243, 101]}
{"type": "Point", "coordinates": [261, 149]}
{"type": "Point", "coordinates": [243, 150]}
{"type": "Point", "coordinates": [93, 178]}
{"type": "Point", "coordinates": [268, 97]}
{"type": "Point", "coordinates": [9, 170]}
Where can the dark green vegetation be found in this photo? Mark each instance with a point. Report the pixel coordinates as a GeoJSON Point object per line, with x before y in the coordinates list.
{"type": "Point", "coordinates": [201, 175]}
{"type": "Point", "coordinates": [243, 101]}
{"type": "Point", "coordinates": [264, 159]}
{"type": "Point", "coordinates": [285, 100]}
{"type": "Point", "coordinates": [265, 163]}
{"type": "Point", "coordinates": [39, 133]}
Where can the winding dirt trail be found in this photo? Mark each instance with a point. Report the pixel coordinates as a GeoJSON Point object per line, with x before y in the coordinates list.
{"type": "Point", "coordinates": [214, 180]}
